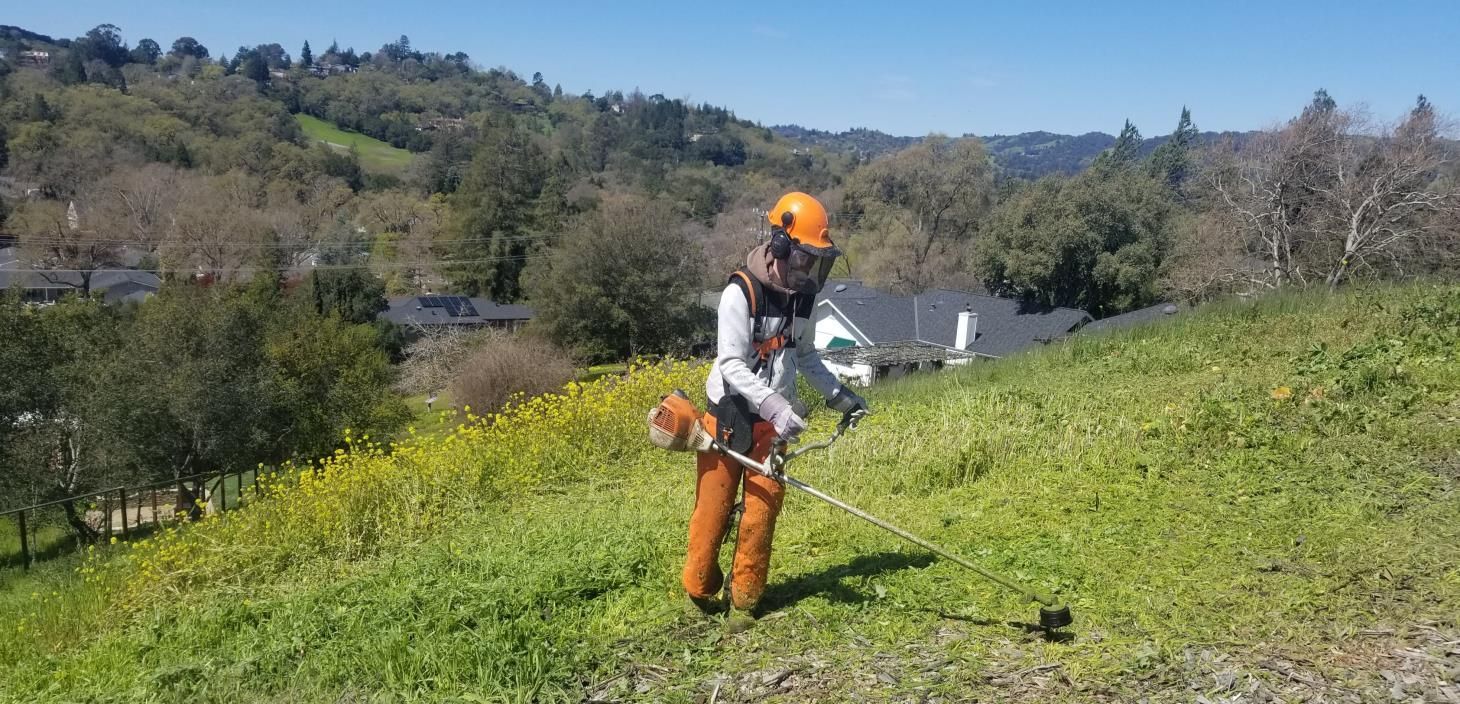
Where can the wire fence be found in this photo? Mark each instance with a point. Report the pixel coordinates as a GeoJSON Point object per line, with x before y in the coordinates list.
{"type": "Point", "coordinates": [54, 528]}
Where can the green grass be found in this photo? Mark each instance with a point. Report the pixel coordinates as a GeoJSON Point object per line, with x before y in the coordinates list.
{"type": "Point", "coordinates": [375, 155]}
{"type": "Point", "coordinates": [50, 539]}
{"type": "Point", "coordinates": [438, 421]}
{"type": "Point", "coordinates": [1265, 493]}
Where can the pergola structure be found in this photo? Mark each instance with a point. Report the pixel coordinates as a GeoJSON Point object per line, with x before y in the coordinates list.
{"type": "Point", "coordinates": [890, 353]}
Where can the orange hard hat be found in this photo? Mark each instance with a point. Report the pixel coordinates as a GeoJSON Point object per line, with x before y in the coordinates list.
{"type": "Point", "coordinates": [805, 220]}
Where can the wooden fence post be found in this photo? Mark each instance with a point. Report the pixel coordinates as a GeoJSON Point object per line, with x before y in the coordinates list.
{"type": "Point", "coordinates": [24, 541]}
{"type": "Point", "coordinates": [122, 492]}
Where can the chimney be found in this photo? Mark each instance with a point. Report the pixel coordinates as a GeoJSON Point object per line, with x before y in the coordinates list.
{"type": "Point", "coordinates": [967, 329]}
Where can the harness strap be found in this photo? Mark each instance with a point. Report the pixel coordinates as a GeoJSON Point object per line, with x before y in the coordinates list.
{"type": "Point", "coordinates": [772, 344]}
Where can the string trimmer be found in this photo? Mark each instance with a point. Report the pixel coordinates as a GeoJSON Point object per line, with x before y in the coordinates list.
{"type": "Point", "coordinates": [675, 425]}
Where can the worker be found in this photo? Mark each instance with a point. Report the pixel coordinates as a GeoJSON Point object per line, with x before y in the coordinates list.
{"type": "Point", "coordinates": [765, 338]}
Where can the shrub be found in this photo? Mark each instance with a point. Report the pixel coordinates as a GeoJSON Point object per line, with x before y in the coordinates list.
{"type": "Point", "coordinates": [505, 366]}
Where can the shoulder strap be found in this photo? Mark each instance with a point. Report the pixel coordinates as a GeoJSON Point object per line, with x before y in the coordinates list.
{"type": "Point", "coordinates": [751, 287]}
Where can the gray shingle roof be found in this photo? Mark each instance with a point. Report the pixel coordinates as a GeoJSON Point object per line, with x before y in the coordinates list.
{"type": "Point", "coordinates": [1005, 325]}
{"type": "Point", "coordinates": [1160, 311]}
{"type": "Point", "coordinates": [117, 284]}
{"type": "Point", "coordinates": [410, 310]}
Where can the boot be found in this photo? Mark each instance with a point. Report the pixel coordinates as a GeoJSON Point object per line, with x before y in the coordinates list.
{"type": "Point", "coordinates": [705, 606]}
{"type": "Point", "coordinates": [739, 621]}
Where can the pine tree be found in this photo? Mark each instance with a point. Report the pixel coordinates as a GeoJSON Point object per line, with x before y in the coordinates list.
{"type": "Point", "coordinates": [1170, 160]}
{"type": "Point", "coordinates": [306, 57]}
{"type": "Point", "coordinates": [1124, 152]}
{"type": "Point", "coordinates": [1127, 145]}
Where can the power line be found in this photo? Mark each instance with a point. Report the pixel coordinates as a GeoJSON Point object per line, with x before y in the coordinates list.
{"type": "Point", "coordinates": [56, 242]}
{"type": "Point", "coordinates": [261, 269]}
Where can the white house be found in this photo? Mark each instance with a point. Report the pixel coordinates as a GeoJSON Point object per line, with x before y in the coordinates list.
{"type": "Point", "coordinates": [864, 334]}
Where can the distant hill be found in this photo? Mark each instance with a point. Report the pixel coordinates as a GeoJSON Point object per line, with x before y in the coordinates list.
{"type": "Point", "coordinates": [859, 140]}
{"type": "Point", "coordinates": [14, 33]}
{"type": "Point", "coordinates": [1025, 155]}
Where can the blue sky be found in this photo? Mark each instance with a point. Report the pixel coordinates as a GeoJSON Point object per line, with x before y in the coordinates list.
{"type": "Point", "coordinates": [904, 68]}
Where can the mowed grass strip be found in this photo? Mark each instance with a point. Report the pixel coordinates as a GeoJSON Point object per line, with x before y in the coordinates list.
{"type": "Point", "coordinates": [375, 155]}
{"type": "Point", "coordinates": [1256, 498]}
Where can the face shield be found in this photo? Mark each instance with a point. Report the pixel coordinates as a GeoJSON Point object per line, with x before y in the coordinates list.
{"type": "Point", "coordinates": [807, 268]}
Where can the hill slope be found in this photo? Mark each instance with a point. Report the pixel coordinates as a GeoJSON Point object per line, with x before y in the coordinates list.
{"type": "Point", "coordinates": [1257, 500]}
{"type": "Point", "coordinates": [1028, 155]}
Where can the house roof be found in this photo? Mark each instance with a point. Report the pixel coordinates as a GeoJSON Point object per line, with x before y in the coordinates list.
{"type": "Point", "coordinates": [1005, 325]}
{"type": "Point", "coordinates": [117, 284]}
{"type": "Point", "coordinates": [453, 310]}
{"type": "Point", "coordinates": [1160, 311]}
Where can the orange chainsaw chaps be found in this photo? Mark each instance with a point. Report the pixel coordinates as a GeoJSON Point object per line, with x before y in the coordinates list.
{"type": "Point", "coordinates": [719, 477]}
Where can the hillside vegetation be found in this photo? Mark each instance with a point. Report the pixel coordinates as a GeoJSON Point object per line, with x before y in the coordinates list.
{"type": "Point", "coordinates": [374, 154]}
{"type": "Point", "coordinates": [1027, 155]}
{"type": "Point", "coordinates": [1257, 500]}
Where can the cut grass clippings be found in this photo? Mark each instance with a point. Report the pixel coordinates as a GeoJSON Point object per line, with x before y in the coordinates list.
{"type": "Point", "coordinates": [1257, 501]}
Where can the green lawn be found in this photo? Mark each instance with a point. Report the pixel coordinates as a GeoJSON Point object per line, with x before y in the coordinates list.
{"type": "Point", "coordinates": [1260, 502]}
{"type": "Point", "coordinates": [440, 420]}
{"type": "Point", "coordinates": [375, 155]}
{"type": "Point", "coordinates": [51, 538]}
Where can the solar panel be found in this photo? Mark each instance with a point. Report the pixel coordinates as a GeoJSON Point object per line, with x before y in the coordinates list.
{"type": "Point", "coordinates": [457, 306]}
{"type": "Point", "coordinates": [430, 301]}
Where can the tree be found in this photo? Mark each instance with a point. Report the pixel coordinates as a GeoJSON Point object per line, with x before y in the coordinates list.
{"type": "Point", "coordinates": [306, 57]}
{"type": "Point", "coordinates": [919, 208]}
{"type": "Point", "coordinates": [252, 65]}
{"type": "Point", "coordinates": [187, 46]}
{"type": "Point", "coordinates": [1125, 151]}
{"type": "Point", "coordinates": [103, 43]}
{"type": "Point", "coordinates": [138, 204]}
{"type": "Point", "coordinates": [197, 364]}
{"type": "Point", "coordinates": [63, 243]}
{"type": "Point", "coordinates": [146, 52]}
{"type": "Point", "coordinates": [1265, 188]}
{"type": "Point", "coordinates": [1330, 193]}
{"type": "Point", "coordinates": [624, 282]}
{"type": "Point", "coordinates": [326, 375]}
{"type": "Point", "coordinates": [27, 390]}
{"type": "Point", "coordinates": [1379, 193]}
{"type": "Point", "coordinates": [71, 70]}
{"type": "Point", "coordinates": [352, 295]}
{"type": "Point", "coordinates": [406, 230]}
{"type": "Point", "coordinates": [1170, 161]}
{"type": "Point", "coordinates": [274, 56]}
{"type": "Point", "coordinates": [494, 210]}
{"type": "Point", "coordinates": [1094, 242]}
{"type": "Point", "coordinates": [218, 227]}
{"type": "Point", "coordinates": [58, 404]}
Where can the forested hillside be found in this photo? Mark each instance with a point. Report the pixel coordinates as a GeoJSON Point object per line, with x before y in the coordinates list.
{"type": "Point", "coordinates": [435, 173]}
{"type": "Point", "coordinates": [1029, 155]}
{"type": "Point", "coordinates": [497, 163]}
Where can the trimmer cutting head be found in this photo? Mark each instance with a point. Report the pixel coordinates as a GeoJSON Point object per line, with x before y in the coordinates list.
{"type": "Point", "coordinates": [1052, 617]}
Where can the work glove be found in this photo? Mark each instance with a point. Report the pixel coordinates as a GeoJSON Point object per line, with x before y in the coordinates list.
{"type": "Point", "coordinates": [846, 401]}
{"type": "Point", "coordinates": [777, 411]}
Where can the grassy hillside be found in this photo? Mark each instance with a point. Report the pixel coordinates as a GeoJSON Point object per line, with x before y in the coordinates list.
{"type": "Point", "coordinates": [375, 155]}
{"type": "Point", "coordinates": [1260, 500]}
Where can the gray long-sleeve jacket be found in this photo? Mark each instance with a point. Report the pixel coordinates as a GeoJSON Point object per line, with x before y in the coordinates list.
{"type": "Point", "coordinates": [737, 354]}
